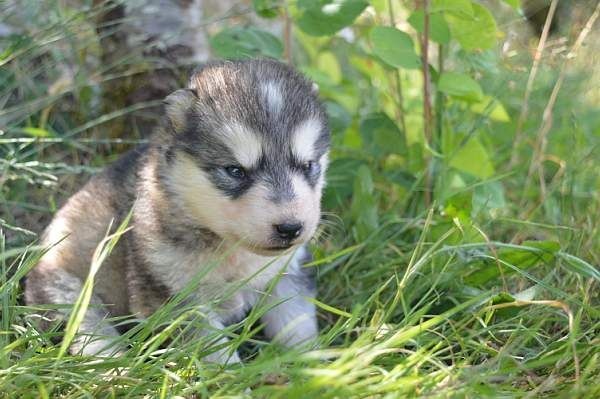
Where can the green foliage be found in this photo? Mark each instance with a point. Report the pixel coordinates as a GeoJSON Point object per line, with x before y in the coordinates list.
{"type": "Point", "coordinates": [491, 108]}
{"type": "Point", "coordinates": [267, 8]}
{"type": "Point", "coordinates": [364, 204]}
{"type": "Point", "coordinates": [513, 3]}
{"type": "Point", "coordinates": [326, 17]}
{"type": "Point", "coordinates": [381, 136]}
{"type": "Point", "coordinates": [438, 28]}
{"type": "Point", "coordinates": [488, 198]}
{"type": "Point", "coordinates": [238, 42]}
{"type": "Point", "coordinates": [448, 265]}
{"type": "Point", "coordinates": [529, 254]}
{"type": "Point", "coordinates": [460, 86]}
{"type": "Point", "coordinates": [394, 47]}
{"type": "Point", "coordinates": [460, 7]}
{"type": "Point", "coordinates": [476, 31]}
{"type": "Point", "coordinates": [473, 158]}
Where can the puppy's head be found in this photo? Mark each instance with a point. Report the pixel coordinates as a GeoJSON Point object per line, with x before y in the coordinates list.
{"type": "Point", "coordinates": [247, 153]}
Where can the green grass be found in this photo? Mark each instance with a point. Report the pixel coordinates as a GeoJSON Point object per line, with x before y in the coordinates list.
{"type": "Point", "coordinates": [490, 290]}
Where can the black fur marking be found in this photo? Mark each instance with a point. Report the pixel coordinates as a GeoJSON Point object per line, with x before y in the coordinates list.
{"type": "Point", "coordinates": [232, 92]}
{"type": "Point", "coordinates": [126, 166]}
{"type": "Point", "coordinates": [321, 146]}
{"type": "Point", "coordinates": [276, 176]}
{"type": "Point", "coordinates": [184, 235]}
{"type": "Point", "coordinates": [312, 175]}
{"type": "Point", "coordinates": [170, 155]}
{"type": "Point", "coordinates": [141, 279]}
{"type": "Point", "coordinates": [230, 186]}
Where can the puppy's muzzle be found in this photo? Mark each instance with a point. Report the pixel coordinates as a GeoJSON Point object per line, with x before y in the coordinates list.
{"type": "Point", "coordinates": [288, 231]}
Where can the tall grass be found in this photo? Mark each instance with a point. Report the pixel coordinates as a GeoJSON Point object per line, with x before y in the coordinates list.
{"type": "Point", "coordinates": [429, 302]}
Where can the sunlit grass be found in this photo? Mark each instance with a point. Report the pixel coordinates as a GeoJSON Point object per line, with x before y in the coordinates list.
{"type": "Point", "coordinates": [428, 302]}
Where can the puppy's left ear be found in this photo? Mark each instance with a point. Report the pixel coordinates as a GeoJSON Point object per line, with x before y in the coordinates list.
{"type": "Point", "coordinates": [177, 104]}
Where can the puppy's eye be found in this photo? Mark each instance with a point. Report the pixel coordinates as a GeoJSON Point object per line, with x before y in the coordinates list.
{"type": "Point", "coordinates": [309, 166]}
{"type": "Point", "coordinates": [237, 172]}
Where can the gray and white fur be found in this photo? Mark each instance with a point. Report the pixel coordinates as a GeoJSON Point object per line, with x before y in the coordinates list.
{"type": "Point", "coordinates": [235, 174]}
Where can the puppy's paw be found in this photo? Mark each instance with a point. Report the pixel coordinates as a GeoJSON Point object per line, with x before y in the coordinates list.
{"type": "Point", "coordinates": [302, 332]}
{"type": "Point", "coordinates": [223, 357]}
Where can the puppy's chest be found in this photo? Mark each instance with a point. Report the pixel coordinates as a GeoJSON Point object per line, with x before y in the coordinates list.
{"type": "Point", "coordinates": [213, 271]}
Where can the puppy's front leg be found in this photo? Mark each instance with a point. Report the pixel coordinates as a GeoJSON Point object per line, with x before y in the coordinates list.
{"type": "Point", "coordinates": [222, 355]}
{"type": "Point", "coordinates": [293, 321]}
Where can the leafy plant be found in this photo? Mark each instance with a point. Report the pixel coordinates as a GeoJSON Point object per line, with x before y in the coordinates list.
{"type": "Point", "coordinates": [459, 251]}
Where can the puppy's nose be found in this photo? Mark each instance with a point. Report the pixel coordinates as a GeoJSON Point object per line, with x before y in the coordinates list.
{"type": "Point", "coordinates": [288, 231]}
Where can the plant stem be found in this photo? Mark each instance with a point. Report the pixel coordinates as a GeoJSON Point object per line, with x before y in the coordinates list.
{"type": "Point", "coordinates": [439, 103]}
{"type": "Point", "coordinates": [532, 74]}
{"type": "Point", "coordinates": [398, 78]}
{"type": "Point", "coordinates": [427, 116]}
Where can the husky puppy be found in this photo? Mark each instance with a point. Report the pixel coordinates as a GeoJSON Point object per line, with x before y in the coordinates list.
{"type": "Point", "coordinates": [233, 176]}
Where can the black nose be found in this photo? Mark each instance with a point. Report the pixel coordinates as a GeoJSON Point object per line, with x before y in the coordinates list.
{"type": "Point", "coordinates": [288, 231]}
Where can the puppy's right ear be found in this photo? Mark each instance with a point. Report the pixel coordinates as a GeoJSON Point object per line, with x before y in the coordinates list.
{"type": "Point", "coordinates": [177, 105]}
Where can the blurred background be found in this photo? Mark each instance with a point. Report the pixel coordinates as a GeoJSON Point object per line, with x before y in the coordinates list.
{"type": "Point", "coordinates": [465, 158]}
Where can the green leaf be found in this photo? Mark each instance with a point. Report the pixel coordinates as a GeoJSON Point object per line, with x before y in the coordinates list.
{"type": "Point", "coordinates": [394, 47]}
{"type": "Point", "coordinates": [241, 42]}
{"type": "Point", "coordinates": [438, 28]}
{"type": "Point", "coordinates": [405, 334]}
{"type": "Point", "coordinates": [328, 64]}
{"type": "Point", "coordinates": [326, 17]}
{"type": "Point", "coordinates": [321, 78]}
{"type": "Point", "coordinates": [36, 132]}
{"type": "Point", "coordinates": [266, 8]}
{"type": "Point", "coordinates": [457, 6]}
{"type": "Point", "coordinates": [381, 136]}
{"type": "Point", "coordinates": [493, 108]}
{"type": "Point", "coordinates": [340, 180]}
{"type": "Point", "coordinates": [502, 297]}
{"type": "Point", "coordinates": [364, 207]}
{"type": "Point", "coordinates": [363, 184]}
{"type": "Point", "coordinates": [473, 158]}
{"type": "Point", "coordinates": [513, 3]}
{"type": "Point", "coordinates": [380, 6]}
{"type": "Point", "coordinates": [579, 266]}
{"type": "Point", "coordinates": [504, 313]}
{"type": "Point", "coordinates": [339, 117]}
{"type": "Point", "coordinates": [531, 253]}
{"type": "Point", "coordinates": [416, 161]}
{"type": "Point", "coordinates": [330, 258]}
{"type": "Point", "coordinates": [328, 308]}
{"type": "Point", "coordinates": [525, 256]}
{"type": "Point", "coordinates": [488, 197]}
{"type": "Point", "coordinates": [460, 86]}
{"type": "Point", "coordinates": [473, 32]}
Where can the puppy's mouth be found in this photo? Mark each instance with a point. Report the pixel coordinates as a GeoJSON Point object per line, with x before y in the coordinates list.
{"type": "Point", "coordinates": [272, 250]}
{"type": "Point", "coordinates": [279, 247]}
{"type": "Point", "coordinates": [271, 246]}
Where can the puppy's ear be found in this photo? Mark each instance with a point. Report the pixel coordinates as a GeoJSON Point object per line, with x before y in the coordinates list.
{"type": "Point", "coordinates": [196, 75]}
{"type": "Point", "coordinates": [204, 71]}
{"type": "Point", "coordinates": [177, 104]}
